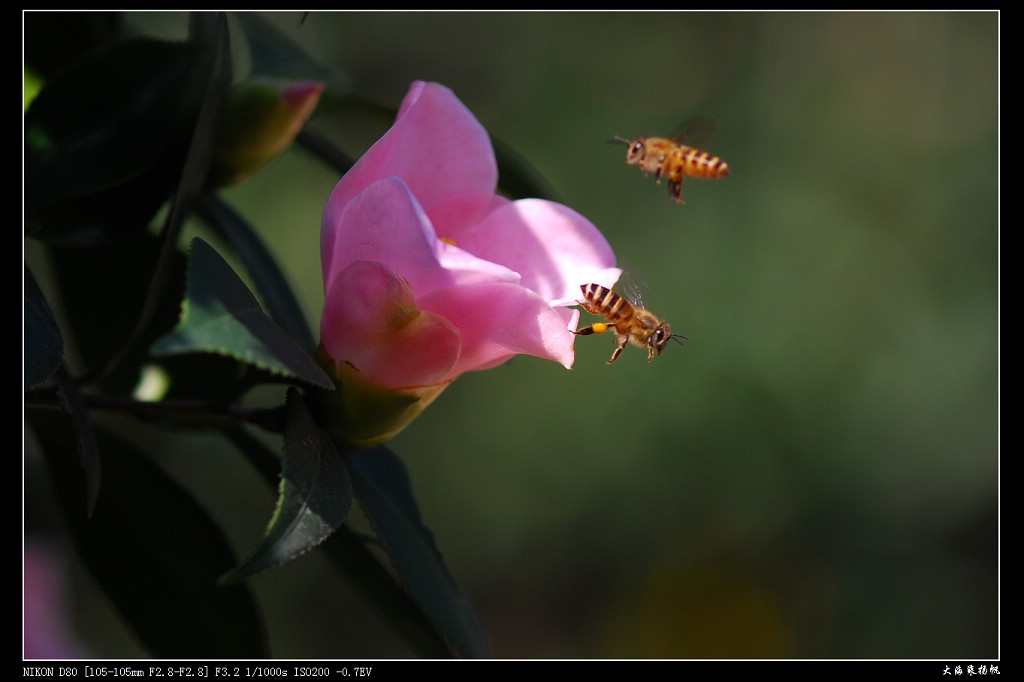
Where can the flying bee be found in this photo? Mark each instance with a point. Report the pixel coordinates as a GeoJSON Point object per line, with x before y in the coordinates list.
{"type": "Point", "coordinates": [677, 156]}
{"type": "Point", "coordinates": [631, 324]}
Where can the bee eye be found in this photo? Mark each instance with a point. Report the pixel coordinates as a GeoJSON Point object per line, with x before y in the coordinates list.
{"type": "Point", "coordinates": [637, 150]}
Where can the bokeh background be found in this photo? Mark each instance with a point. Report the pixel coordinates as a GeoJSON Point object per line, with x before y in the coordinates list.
{"type": "Point", "coordinates": [814, 475]}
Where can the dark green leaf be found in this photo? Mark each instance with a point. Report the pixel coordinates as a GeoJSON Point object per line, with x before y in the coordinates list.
{"type": "Point", "coordinates": [220, 315]}
{"type": "Point", "coordinates": [351, 556]}
{"type": "Point", "coordinates": [107, 117]}
{"type": "Point", "coordinates": [261, 266]}
{"type": "Point", "coordinates": [154, 551]}
{"type": "Point", "coordinates": [314, 496]}
{"type": "Point", "coordinates": [52, 39]}
{"type": "Point", "coordinates": [85, 435]}
{"type": "Point", "coordinates": [192, 178]}
{"type": "Point", "coordinates": [384, 491]}
{"type": "Point", "coordinates": [204, 136]}
{"type": "Point", "coordinates": [105, 138]}
{"type": "Point", "coordinates": [102, 290]}
{"type": "Point", "coordinates": [44, 345]}
{"type": "Point", "coordinates": [274, 54]}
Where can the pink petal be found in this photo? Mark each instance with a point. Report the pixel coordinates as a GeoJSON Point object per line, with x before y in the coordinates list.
{"type": "Point", "coordinates": [552, 247]}
{"type": "Point", "coordinates": [456, 214]}
{"type": "Point", "coordinates": [438, 148]}
{"type": "Point", "coordinates": [371, 322]}
{"type": "Point", "coordinates": [382, 223]}
{"type": "Point", "coordinates": [499, 320]}
{"type": "Point", "coordinates": [385, 223]}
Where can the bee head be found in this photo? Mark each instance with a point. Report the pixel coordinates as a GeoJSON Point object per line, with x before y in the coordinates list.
{"type": "Point", "coordinates": [661, 336]}
{"type": "Point", "coordinates": [637, 150]}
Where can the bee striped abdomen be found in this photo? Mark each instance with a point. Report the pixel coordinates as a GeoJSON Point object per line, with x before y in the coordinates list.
{"type": "Point", "coordinates": [701, 164]}
{"type": "Point", "coordinates": [603, 301]}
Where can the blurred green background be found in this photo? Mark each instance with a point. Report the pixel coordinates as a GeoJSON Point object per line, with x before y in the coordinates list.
{"type": "Point", "coordinates": [815, 474]}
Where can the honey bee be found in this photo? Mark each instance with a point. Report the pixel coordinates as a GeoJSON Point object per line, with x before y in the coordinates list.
{"type": "Point", "coordinates": [676, 157]}
{"type": "Point", "coordinates": [631, 324]}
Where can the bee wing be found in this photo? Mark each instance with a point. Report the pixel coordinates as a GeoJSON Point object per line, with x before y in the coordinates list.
{"type": "Point", "coordinates": [634, 289]}
{"type": "Point", "coordinates": [695, 131]}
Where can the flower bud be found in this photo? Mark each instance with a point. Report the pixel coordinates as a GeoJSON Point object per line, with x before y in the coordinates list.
{"type": "Point", "coordinates": [261, 118]}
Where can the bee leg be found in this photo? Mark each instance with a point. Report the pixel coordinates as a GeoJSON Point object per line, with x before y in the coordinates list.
{"type": "Point", "coordinates": [676, 190]}
{"type": "Point", "coordinates": [618, 350]}
{"type": "Point", "coordinates": [596, 328]}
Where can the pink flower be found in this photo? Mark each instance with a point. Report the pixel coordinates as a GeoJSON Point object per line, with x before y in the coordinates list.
{"type": "Point", "coordinates": [48, 633]}
{"type": "Point", "coordinates": [428, 273]}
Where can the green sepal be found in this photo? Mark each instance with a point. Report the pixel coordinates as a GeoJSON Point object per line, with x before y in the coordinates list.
{"type": "Point", "coordinates": [362, 413]}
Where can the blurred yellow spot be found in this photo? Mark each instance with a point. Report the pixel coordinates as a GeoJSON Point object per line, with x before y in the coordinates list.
{"type": "Point", "coordinates": [153, 384]}
{"type": "Point", "coordinates": [710, 613]}
{"type": "Point", "coordinates": [33, 84]}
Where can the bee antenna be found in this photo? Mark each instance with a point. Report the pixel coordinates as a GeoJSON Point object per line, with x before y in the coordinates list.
{"type": "Point", "coordinates": [619, 140]}
{"type": "Point", "coordinates": [677, 337]}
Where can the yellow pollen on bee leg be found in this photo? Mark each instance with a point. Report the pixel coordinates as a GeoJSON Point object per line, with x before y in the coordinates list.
{"type": "Point", "coordinates": [599, 327]}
